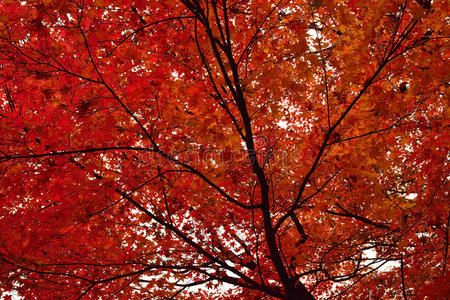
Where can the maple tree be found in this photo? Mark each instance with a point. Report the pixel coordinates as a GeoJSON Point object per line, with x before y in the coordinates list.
{"type": "Point", "coordinates": [224, 149]}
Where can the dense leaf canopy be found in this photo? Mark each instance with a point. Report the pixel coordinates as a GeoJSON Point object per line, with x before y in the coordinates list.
{"type": "Point", "coordinates": [224, 149]}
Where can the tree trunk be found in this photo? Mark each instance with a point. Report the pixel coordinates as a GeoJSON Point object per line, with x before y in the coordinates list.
{"type": "Point", "coordinates": [298, 293]}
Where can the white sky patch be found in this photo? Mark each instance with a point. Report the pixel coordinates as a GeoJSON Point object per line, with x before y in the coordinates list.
{"type": "Point", "coordinates": [411, 196]}
{"type": "Point", "coordinates": [371, 255]}
{"type": "Point", "coordinates": [283, 124]}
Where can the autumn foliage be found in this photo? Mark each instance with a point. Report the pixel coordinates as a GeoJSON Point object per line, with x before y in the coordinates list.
{"type": "Point", "coordinates": [224, 149]}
